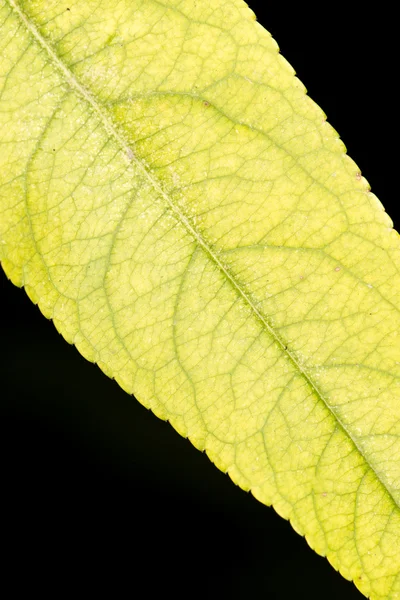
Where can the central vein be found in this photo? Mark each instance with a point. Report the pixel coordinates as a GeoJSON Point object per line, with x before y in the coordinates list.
{"type": "Point", "coordinates": [113, 130]}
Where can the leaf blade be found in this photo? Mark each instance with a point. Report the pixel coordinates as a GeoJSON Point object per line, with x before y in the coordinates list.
{"type": "Point", "coordinates": [234, 429]}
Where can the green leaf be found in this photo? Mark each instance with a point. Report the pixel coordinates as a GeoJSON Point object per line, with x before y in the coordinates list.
{"type": "Point", "coordinates": [179, 207]}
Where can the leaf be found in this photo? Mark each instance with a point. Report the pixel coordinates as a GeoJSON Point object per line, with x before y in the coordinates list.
{"type": "Point", "coordinates": [182, 211]}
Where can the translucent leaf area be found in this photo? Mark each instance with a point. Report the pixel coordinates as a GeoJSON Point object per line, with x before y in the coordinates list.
{"type": "Point", "coordinates": [180, 208]}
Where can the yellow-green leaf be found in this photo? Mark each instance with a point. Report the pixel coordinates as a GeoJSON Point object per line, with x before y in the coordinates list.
{"type": "Point", "coordinates": [180, 208]}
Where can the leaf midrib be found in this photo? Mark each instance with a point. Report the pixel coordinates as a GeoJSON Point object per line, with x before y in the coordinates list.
{"type": "Point", "coordinates": [113, 131]}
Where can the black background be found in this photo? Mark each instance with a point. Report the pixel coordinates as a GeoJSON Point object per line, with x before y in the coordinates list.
{"type": "Point", "coordinates": [94, 484]}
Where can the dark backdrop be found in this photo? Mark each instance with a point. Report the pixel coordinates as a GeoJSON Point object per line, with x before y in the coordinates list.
{"type": "Point", "coordinates": [93, 482]}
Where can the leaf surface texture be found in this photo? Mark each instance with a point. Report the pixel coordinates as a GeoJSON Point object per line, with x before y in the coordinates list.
{"type": "Point", "coordinates": [180, 208]}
